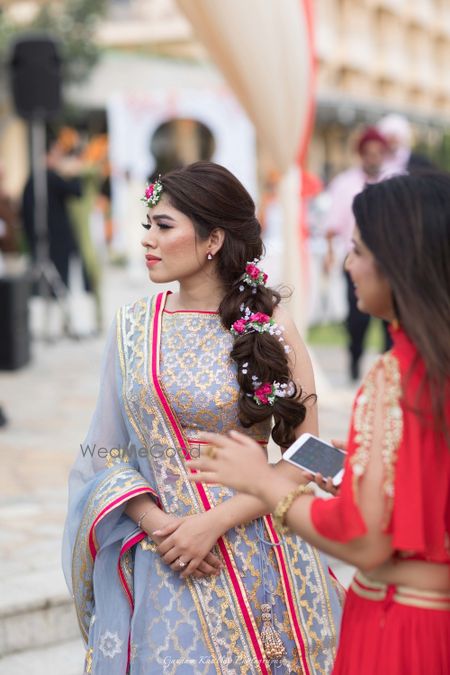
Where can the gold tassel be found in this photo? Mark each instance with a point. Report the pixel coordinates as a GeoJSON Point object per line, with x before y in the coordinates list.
{"type": "Point", "coordinates": [272, 643]}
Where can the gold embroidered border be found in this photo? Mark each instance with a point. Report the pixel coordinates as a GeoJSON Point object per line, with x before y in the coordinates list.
{"type": "Point", "coordinates": [120, 337]}
{"type": "Point", "coordinates": [403, 595]}
{"type": "Point", "coordinates": [82, 562]}
{"type": "Point", "coordinates": [208, 631]}
{"type": "Point", "coordinates": [363, 415]}
{"type": "Point", "coordinates": [334, 584]}
{"type": "Point", "coordinates": [363, 423]}
{"type": "Point", "coordinates": [195, 592]}
{"type": "Point", "coordinates": [246, 602]}
{"type": "Point", "coordinates": [393, 425]}
{"type": "Point", "coordinates": [88, 661]}
{"type": "Point", "coordinates": [267, 520]}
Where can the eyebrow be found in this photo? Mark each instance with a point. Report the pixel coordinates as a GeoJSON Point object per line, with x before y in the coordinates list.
{"type": "Point", "coordinates": [160, 215]}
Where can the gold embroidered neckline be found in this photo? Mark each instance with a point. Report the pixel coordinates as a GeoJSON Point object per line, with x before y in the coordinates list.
{"type": "Point", "coordinates": [203, 312]}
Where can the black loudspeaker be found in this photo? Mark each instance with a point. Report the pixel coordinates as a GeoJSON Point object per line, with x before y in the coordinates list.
{"type": "Point", "coordinates": [35, 71]}
{"type": "Point", "coordinates": [14, 322]}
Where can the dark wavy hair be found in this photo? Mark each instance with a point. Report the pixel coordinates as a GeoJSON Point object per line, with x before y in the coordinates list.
{"type": "Point", "coordinates": [213, 198]}
{"type": "Point", "coordinates": [405, 223]}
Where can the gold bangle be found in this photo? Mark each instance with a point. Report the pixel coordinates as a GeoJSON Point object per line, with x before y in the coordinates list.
{"type": "Point", "coordinates": [283, 506]}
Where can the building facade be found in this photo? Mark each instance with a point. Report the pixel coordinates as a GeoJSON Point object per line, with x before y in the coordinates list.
{"type": "Point", "coordinates": [378, 56]}
{"type": "Point", "coordinates": [373, 57]}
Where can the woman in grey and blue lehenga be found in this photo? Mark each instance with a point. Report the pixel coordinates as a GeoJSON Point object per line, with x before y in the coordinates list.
{"type": "Point", "coordinates": [170, 577]}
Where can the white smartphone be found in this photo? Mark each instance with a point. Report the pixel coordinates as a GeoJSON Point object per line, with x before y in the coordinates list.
{"type": "Point", "coordinates": [314, 455]}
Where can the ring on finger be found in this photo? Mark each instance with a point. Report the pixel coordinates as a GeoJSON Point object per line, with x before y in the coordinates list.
{"type": "Point", "coordinates": [210, 452]}
{"type": "Point", "coordinates": [181, 563]}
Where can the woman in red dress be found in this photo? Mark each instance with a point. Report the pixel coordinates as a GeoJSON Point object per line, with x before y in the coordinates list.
{"type": "Point", "coordinates": [391, 518]}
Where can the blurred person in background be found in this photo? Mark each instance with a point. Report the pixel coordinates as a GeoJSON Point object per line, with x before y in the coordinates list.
{"type": "Point", "coordinates": [391, 518]}
{"type": "Point", "coordinates": [88, 166]}
{"type": "Point", "coordinates": [339, 224]}
{"type": "Point", "coordinates": [400, 158]}
{"type": "Point", "coordinates": [61, 238]}
{"type": "Point", "coordinates": [9, 222]}
{"type": "Point", "coordinates": [9, 239]}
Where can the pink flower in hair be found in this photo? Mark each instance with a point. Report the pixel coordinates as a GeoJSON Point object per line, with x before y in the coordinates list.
{"type": "Point", "coordinates": [267, 393]}
{"type": "Point", "coordinates": [239, 326]}
{"type": "Point", "coordinates": [263, 392]}
{"type": "Point", "coordinates": [260, 317]}
{"type": "Point", "coordinates": [253, 275]}
{"type": "Point", "coordinates": [152, 194]}
{"type": "Point", "coordinates": [252, 271]}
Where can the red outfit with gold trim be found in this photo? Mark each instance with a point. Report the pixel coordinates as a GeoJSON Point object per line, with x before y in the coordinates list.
{"type": "Point", "coordinates": [387, 629]}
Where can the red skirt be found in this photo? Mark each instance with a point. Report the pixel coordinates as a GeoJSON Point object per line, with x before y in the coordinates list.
{"type": "Point", "coordinates": [389, 630]}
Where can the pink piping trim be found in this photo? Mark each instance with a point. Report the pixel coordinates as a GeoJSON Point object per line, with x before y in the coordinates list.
{"type": "Point", "coordinates": [189, 311]}
{"type": "Point", "coordinates": [107, 509]}
{"type": "Point", "coordinates": [290, 599]}
{"type": "Point", "coordinates": [195, 441]}
{"type": "Point", "coordinates": [128, 544]}
{"type": "Point", "coordinates": [131, 542]}
{"type": "Point", "coordinates": [203, 496]}
{"type": "Point", "coordinates": [243, 606]}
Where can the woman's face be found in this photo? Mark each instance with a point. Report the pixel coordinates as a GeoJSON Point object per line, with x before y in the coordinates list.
{"type": "Point", "coordinates": [373, 292]}
{"type": "Point", "coordinates": [172, 250]}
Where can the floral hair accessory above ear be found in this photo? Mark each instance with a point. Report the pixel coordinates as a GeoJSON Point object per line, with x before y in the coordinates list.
{"type": "Point", "coordinates": [152, 193]}
{"type": "Point", "coordinates": [253, 276]}
{"type": "Point", "coordinates": [266, 393]}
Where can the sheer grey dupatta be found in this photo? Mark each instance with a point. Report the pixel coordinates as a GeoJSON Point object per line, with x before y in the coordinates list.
{"type": "Point", "coordinates": [97, 532]}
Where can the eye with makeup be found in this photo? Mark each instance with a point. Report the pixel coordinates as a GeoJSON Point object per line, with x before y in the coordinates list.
{"type": "Point", "coordinates": [162, 226]}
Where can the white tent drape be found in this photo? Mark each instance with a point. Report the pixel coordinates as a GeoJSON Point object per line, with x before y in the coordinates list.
{"type": "Point", "coordinates": [263, 48]}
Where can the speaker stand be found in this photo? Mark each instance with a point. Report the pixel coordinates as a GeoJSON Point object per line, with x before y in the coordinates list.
{"type": "Point", "coordinates": [44, 272]}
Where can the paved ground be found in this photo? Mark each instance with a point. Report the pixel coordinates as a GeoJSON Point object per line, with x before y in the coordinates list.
{"type": "Point", "coordinates": [49, 404]}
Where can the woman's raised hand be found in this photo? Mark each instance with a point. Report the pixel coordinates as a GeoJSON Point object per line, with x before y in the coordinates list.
{"type": "Point", "coordinates": [234, 460]}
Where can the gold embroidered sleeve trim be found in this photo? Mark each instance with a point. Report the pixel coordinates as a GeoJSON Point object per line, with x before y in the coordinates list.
{"type": "Point", "coordinates": [363, 422]}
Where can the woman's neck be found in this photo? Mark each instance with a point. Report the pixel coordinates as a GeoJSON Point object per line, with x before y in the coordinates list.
{"type": "Point", "coordinates": [197, 297]}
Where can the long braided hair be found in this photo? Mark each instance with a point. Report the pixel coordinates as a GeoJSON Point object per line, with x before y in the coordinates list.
{"type": "Point", "coordinates": [213, 198]}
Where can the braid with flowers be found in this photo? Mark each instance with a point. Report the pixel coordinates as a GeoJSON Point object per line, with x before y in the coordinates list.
{"type": "Point", "coordinates": [261, 356]}
{"type": "Point", "coordinates": [213, 198]}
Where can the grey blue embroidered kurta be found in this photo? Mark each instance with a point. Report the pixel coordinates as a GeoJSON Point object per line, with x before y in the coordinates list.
{"type": "Point", "coordinates": [167, 376]}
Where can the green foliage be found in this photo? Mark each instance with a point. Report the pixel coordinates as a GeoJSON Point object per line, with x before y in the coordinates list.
{"type": "Point", "coordinates": [72, 23]}
{"type": "Point", "coordinates": [334, 334]}
{"type": "Point", "coordinates": [438, 152]}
